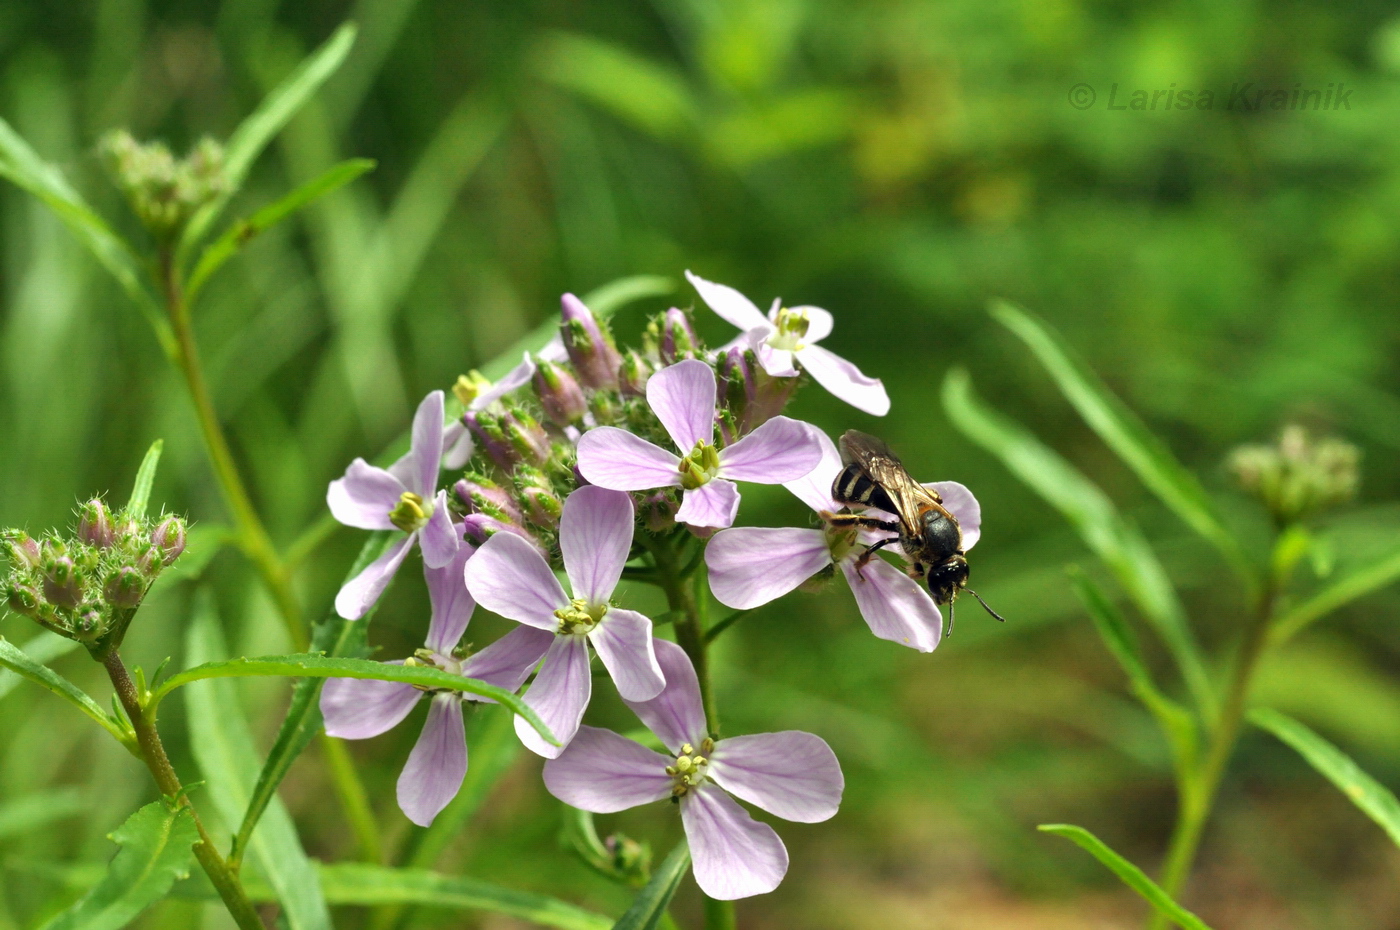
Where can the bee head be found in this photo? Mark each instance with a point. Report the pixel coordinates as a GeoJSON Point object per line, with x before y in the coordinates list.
{"type": "Point", "coordinates": [947, 578]}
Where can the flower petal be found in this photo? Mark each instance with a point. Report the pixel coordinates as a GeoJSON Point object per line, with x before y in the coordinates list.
{"type": "Point", "coordinates": [614, 458]}
{"type": "Point", "coordinates": [683, 398]}
{"type": "Point", "coordinates": [780, 363]}
{"type": "Point", "coordinates": [676, 715]}
{"type": "Point", "coordinates": [508, 661]}
{"type": "Point", "coordinates": [439, 538]}
{"type": "Point", "coordinates": [508, 576]}
{"type": "Point", "coordinates": [517, 377]}
{"type": "Point", "coordinates": [780, 450]}
{"type": "Point", "coordinates": [458, 444]}
{"type": "Point", "coordinates": [559, 695]}
{"type": "Point", "coordinates": [623, 641]}
{"type": "Point", "coordinates": [728, 303]}
{"type": "Point", "coordinates": [845, 380]}
{"type": "Point", "coordinates": [964, 507]}
{"type": "Point", "coordinates": [791, 774]}
{"type": "Point", "coordinates": [358, 708]}
{"type": "Point", "coordinates": [604, 773]}
{"type": "Point", "coordinates": [358, 594]}
{"type": "Point", "coordinates": [819, 322]}
{"type": "Point", "coordinates": [452, 603]}
{"type": "Point", "coordinates": [595, 538]}
{"type": "Point", "coordinates": [364, 497]}
{"type": "Point", "coordinates": [427, 444]}
{"type": "Point", "coordinates": [714, 503]}
{"type": "Point", "coordinates": [895, 606]}
{"type": "Point", "coordinates": [433, 774]}
{"type": "Point", "coordinates": [814, 488]}
{"type": "Point", "coordinates": [734, 855]}
{"type": "Point", "coordinates": [752, 565]}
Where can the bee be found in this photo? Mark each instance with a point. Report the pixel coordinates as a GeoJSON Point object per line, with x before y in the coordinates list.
{"type": "Point", "coordinates": [926, 530]}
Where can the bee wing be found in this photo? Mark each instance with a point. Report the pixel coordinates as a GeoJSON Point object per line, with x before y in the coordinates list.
{"type": "Point", "coordinates": [910, 498]}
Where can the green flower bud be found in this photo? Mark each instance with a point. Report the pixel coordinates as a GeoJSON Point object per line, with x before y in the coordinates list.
{"type": "Point", "coordinates": [95, 525]}
{"type": "Point", "coordinates": [125, 588]}
{"type": "Point", "coordinates": [1299, 475]}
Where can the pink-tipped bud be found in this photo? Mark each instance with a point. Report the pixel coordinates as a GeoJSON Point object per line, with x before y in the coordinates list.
{"type": "Point", "coordinates": [677, 339]}
{"type": "Point", "coordinates": [658, 510]}
{"type": "Point", "coordinates": [526, 436]}
{"type": "Point", "coordinates": [591, 351]}
{"type": "Point", "coordinates": [753, 395]}
{"type": "Point", "coordinates": [150, 561]}
{"type": "Point", "coordinates": [22, 600]}
{"type": "Point", "coordinates": [559, 394]}
{"type": "Point", "coordinates": [125, 588]}
{"type": "Point", "coordinates": [95, 526]}
{"type": "Point", "coordinates": [61, 584]}
{"type": "Point", "coordinates": [23, 550]}
{"type": "Point", "coordinates": [169, 538]}
{"type": "Point", "coordinates": [480, 494]}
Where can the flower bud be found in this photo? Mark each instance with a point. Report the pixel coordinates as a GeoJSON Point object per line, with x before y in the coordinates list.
{"type": "Point", "coordinates": [751, 393]}
{"type": "Point", "coordinates": [559, 393]}
{"type": "Point", "coordinates": [677, 339]}
{"type": "Point", "coordinates": [23, 550]}
{"type": "Point", "coordinates": [150, 561]}
{"type": "Point", "coordinates": [658, 511]}
{"type": "Point", "coordinates": [541, 502]}
{"type": "Point", "coordinates": [169, 537]}
{"type": "Point", "coordinates": [87, 625]}
{"type": "Point", "coordinates": [124, 588]}
{"type": "Point", "coordinates": [630, 858]}
{"type": "Point", "coordinates": [61, 584]}
{"type": "Point", "coordinates": [22, 599]}
{"type": "Point", "coordinates": [95, 525]}
{"type": "Point", "coordinates": [589, 347]}
{"type": "Point", "coordinates": [469, 387]}
{"type": "Point", "coordinates": [1299, 475]}
{"type": "Point", "coordinates": [633, 374]}
{"type": "Point", "coordinates": [526, 436]}
{"type": "Point", "coordinates": [164, 192]}
{"type": "Point", "coordinates": [490, 436]}
{"type": "Point", "coordinates": [480, 494]}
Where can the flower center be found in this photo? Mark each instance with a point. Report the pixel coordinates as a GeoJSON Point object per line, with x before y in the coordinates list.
{"type": "Point", "coordinates": [426, 658]}
{"type": "Point", "coordinates": [470, 386]}
{"type": "Point", "coordinates": [699, 466]}
{"type": "Point", "coordinates": [840, 540]}
{"type": "Point", "coordinates": [580, 616]}
{"type": "Point", "coordinates": [791, 329]}
{"type": "Point", "coordinates": [688, 772]}
{"type": "Point", "coordinates": [411, 513]}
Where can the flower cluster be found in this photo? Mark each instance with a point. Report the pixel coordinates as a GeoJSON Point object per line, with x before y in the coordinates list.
{"type": "Point", "coordinates": [164, 192]}
{"type": "Point", "coordinates": [594, 463]}
{"type": "Point", "coordinates": [87, 586]}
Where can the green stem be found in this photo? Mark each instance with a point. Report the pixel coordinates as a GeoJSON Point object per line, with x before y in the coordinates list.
{"type": "Point", "coordinates": [353, 799]}
{"type": "Point", "coordinates": [1198, 794]}
{"type": "Point", "coordinates": [225, 881]}
{"type": "Point", "coordinates": [719, 915]}
{"type": "Point", "coordinates": [252, 534]}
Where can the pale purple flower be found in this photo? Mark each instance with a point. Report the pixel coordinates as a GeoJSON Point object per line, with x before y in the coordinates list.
{"type": "Point", "coordinates": [511, 577]}
{"type": "Point", "coordinates": [457, 439]}
{"type": "Point", "coordinates": [792, 775]}
{"type": "Point", "coordinates": [401, 497]}
{"type": "Point", "coordinates": [683, 398]}
{"type": "Point", "coordinates": [786, 338]}
{"type": "Point", "coordinates": [750, 566]}
{"type": "Point", "coordinates": [360, 708]}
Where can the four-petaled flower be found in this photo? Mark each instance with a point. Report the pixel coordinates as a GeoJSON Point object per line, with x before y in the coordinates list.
{"type": "Point", "coordinates": [750, 566]}
{"type": "Point", "coordinates": [788, 337]}
{"type": "Point", "coordinates": [683, 398]}
{"type": "Point", "coordinates": [790, 774]}
{"type": "Point", "coordinates": [399, 497]}
{"type": "Point", "coordinates": [509, 576]}
{"type": "Point", "coordinates": [360, 708]}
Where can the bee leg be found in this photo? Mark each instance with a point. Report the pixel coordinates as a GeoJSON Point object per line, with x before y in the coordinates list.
{"type": "Point", "coordinates": [869, 554]}
{"type": "Point", "coordinates": [859, 521]}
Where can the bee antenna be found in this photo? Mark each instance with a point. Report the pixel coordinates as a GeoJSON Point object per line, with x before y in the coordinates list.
{"type": "Point", "coordinates": [951, 606]}
{"type": "Point", "coordinates": [984, 606]}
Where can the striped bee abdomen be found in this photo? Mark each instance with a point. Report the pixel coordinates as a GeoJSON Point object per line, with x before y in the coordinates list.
{"type": "Point", "coordinates": [857, 489]}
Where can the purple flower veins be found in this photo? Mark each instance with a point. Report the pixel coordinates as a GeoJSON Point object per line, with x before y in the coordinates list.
{"type": "Point", "coordinates": [788, 337]}
{"type": "Point", "coordinates": [790, 774]}
{"type": "Point", "coordinates": [683, 398]}
{"type": "Point", "coordinates": [510, 577]}
{"type": "Point", "coordinates": [360, 708]}
{"type": "Point", "coordinates": [399, 497]}
{"type": "Point", "coordinates": [750, 566]}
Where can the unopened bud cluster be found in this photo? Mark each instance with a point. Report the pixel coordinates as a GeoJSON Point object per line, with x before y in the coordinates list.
{"type": "Point", "coordinates": [88, 585]}
{"type": "Point", "coordinates": [164, 191]}
{"type": "Point", "coordinates": [1299, 475]}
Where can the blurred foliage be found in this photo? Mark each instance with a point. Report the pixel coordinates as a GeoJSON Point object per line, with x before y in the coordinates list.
{"type": "Point", "coordinates": [899, 163]}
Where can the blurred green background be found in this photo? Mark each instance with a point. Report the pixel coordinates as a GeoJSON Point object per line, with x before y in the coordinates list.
{"type": "Point", "coordinates": [899, 163]}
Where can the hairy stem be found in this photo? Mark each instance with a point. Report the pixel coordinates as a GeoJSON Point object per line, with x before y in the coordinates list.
{"type": "Point", "coordinates": [153, 754]}
{"type": "Point", "coordinates": [1199, 792]}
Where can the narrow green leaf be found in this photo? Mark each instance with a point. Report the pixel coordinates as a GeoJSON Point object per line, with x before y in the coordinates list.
{"type": "Point", "coordinates": [334, 636]}
{"type": "Point", "coordinates": [1375, 800]}
{"type": "Point", "coordinates": [155, 850]}
{"type": "Point", "coordinates": [1130, 874]}
{"type": "Point", "coordinates": [275, 111]}
{"type": "Point", "coordinates": [1176, 722]}
{"type": "Point", "coordinates": [1379, 574]}
{"type": "Point", "coordinates": [1123, 431]}
{"type": "Point", "coordinates": [41, 649]}
{"type": "Point", "coordinates": [145, 477]}
{"type": "Point", "coordinates": [355, 883]}
{"type": "Point", "coordinates": [244, 231]}
{"type": "Point", "coordinates": [644, 93]}
{"type": "Point", "coordinates": [15, 660]}
{"type": "Point", "coordinates": [1107, 534]}
{"type": "Point", "coordinates": [20, 815]}
{"type": "Point", "coordinates": [23, 166]}
{"type": "Point", "coordinates": [651, 902]}
{"type": "Point", "coordinates": [310, 665]}
{"type": "Point", "coordinates": [227, 758]}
